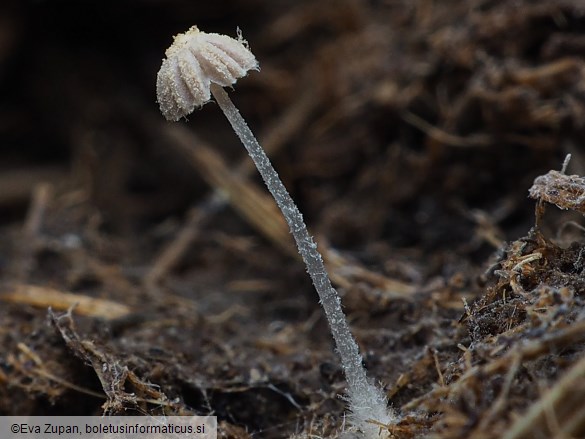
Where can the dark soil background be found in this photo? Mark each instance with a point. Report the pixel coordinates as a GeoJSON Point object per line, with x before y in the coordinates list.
{"type": "Point", "coordinates": [145, 270]}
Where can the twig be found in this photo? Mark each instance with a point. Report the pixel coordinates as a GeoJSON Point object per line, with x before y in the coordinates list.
{"type": "Point", "coordinates": [44, 297]}
{"type": "Point", "coordinates": [500, 402]}
{"type": "Point", "coordinates": [17, 185]}
{"type": "Point", "coordinates": [438, 367]}
{"type": "Point", "coordinates": [40, 370]}
{"type": "Point", "coordinates": [442, 136]}
{"type": "Point", "coordinates": [173, 252]}
{"type": "Point", "coordinates": [41, 197]}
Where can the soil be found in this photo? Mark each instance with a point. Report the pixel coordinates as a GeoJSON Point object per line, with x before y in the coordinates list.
{"type": "Point", "coordinates": [144, 269]}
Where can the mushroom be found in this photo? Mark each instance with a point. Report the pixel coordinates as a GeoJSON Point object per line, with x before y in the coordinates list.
{"type": "Point", "coordinates": [200, 64]}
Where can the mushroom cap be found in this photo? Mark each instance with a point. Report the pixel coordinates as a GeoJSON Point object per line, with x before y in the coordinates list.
{"type": "Point", "coordinates": [194, 61]}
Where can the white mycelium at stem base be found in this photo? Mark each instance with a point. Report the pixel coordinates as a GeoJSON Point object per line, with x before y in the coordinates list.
{"type": "Point", "coordinates": [200, 64]}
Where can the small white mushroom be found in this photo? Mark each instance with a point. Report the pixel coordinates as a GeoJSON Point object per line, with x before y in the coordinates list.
{"type": "Point", "coordinates": [198, 64]}
{"type": "Point", "coordinates": [194, 61]}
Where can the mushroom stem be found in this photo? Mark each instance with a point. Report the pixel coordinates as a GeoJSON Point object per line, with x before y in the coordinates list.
{"type": "Point", "coordinates": [366, 400]}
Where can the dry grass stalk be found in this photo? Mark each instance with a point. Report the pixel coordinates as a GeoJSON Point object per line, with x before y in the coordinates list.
{"type": "Point", "coordinates": [45, 297]}
{"type": "Point", "coordinates": [559, 413]}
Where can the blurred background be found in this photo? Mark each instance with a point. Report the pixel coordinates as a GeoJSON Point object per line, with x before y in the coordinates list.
{"type": "Point", "coordinates": [456, 104]}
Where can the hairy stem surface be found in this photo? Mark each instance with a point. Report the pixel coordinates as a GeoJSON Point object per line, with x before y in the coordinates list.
{"type": "Point", "coordinates": [366, 400]}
